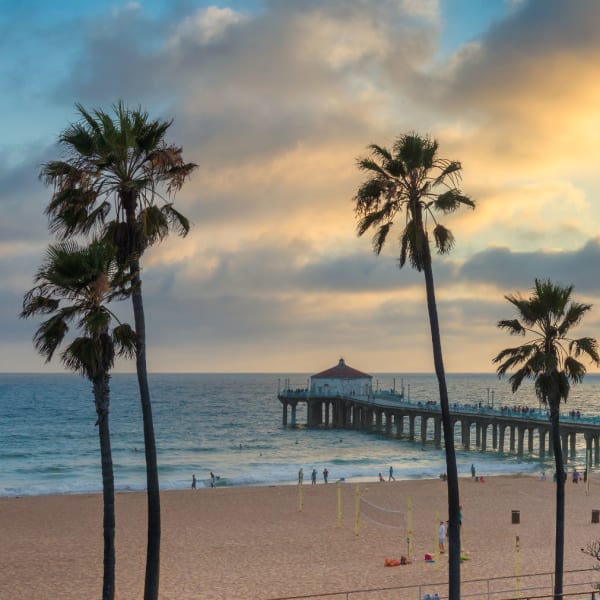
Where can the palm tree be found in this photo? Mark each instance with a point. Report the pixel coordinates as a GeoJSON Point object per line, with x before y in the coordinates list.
{"type": "Point", "coordinates": [115, 176]}
{"type": "Point", "coordinates": [550, 359]}
{"type": "Point", "coordinates": [412, 178]}
{"type": "Point", "coordinates": [74, 285]}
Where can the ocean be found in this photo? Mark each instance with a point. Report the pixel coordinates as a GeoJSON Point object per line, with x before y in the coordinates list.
{"type": "Point", "coordinates": [230, 424]}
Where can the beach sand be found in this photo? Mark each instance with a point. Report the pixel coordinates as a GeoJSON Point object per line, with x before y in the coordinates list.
{"type": "Point", "coordinates": [254, 542]}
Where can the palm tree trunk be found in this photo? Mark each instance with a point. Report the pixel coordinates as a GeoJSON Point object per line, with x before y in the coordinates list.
{"type": "Point", "coordinates": [559, 543]}
{"type": "Point", "coordinates": [102, 399]}
{"type": "Point", "coordinates": [453, 495]}
{"type": "Point", "coordinates": [153, 547]}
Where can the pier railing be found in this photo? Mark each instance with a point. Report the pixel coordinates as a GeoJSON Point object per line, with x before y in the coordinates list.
{"type": "Point", "coordinates": [390, 399]}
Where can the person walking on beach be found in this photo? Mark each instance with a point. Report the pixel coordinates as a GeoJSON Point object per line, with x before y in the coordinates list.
{"type": "Point", "coordinates": [472, 470]}
{"type": "Point", "coordinates": [212, 479]}
{"type": "Point", "coordinates": [391, 477]}
{"type": "Point", "coordinates": [194, 481]}
{"type": "Point", "coordinates": [313, 477]}
{"type": "Point", "coordinates": [325, 474]}
{"type": "Point", "coordinates": [442, 537]}
{"type": "Point", "coordinates": [300, 476]}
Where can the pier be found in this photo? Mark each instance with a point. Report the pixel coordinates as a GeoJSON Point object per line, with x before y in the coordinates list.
{"type": "Point", "coordinates": [486, 428]}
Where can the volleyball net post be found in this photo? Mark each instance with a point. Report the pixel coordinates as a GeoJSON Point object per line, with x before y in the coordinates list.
{"type": "Point", "coordinates": [518, 566]}
{"type": "Point", "coordinates": [409, 526]}
{"type": "Point", "coordinates": [357, 511]}
{"type": "Point", "coordinates": [339, 504]}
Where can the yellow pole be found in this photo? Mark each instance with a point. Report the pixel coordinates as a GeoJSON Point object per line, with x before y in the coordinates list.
{"type": "Point", "coordinates": [437, 546]}
{"type": "Point", "coordinates": [300, 499]}
{"type": "Point", "coordinates": [409, 526]}
{"type": "Point", "coordinates": [339, 504]}
{"type": "Point", "coordinates": [357, 511]}
{"type": "Point", "coordinates": [518, 566]}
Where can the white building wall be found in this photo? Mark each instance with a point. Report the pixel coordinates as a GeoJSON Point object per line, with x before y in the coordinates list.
{"type": "Point", "coordinates": [346, 387]}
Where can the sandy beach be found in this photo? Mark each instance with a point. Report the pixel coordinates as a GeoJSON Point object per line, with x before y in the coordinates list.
{"type": "Point", "coordinates": [256, 543]}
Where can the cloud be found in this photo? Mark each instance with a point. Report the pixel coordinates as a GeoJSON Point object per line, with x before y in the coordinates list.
{"type": "Point", "coordinates": [274, 105]}
{"type": "Point", "coordinates": [513, 87]}
{"type": "Point", "coordinates": [508, 269]}
{"type": "Point", "coordinates": [205, 26]}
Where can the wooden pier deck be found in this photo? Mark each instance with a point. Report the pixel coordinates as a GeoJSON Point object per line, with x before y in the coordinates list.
{"type": "Point", "coordinates": [484, 427]}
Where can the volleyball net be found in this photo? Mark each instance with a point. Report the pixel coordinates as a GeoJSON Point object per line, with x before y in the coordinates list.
{"type": "Point", "coordinates": [382, 516]}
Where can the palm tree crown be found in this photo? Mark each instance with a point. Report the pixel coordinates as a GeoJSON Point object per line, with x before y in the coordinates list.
{"type": "Point", "coordinates": [550, 357]}
{"type": "Point", "coordinates": [74, 285]}
{"type": "Point", "coordinates": [411, 178]}
{"type": "Point", "coordinates": [119, 163]}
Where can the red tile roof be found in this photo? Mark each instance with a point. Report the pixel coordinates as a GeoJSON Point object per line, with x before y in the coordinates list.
{"type": "Point", "coordinates": [341, 371]}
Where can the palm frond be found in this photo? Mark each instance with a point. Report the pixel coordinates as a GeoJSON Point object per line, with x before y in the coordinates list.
{"type": "Point", "coordinates": [587, 346]}
{"type": "Point", "coordinates": [516, 379]}
{"type": "Point", "coordinates": [380, 152]}
{"type": "Point", "coordinates": [178, 222]}
{"type": "Point", "coordinates": [451, 200]}
{"type": "Point", "coordinates": [125, 340]}
{"type": "Point", "coordinates": [154, 224]}
{"type": "Point", "coordinates": [448, 170]}
{"type": "Point", "coordinates": [368, 164]}
{"type": "Point", "coordinates": [572, 316]}
{"type": "Point", "coordinates": [513, 326]}
{"type": "Point", "coordinates": [444, 240]}
{"type": "Point", "coordinates": [412, 245]}
{"type": "Point", "coordinates": [574, 369]}
{"type": "Point", "coordinates": [380, 236]}
{"type": "Point", "coordinates": [35, 303]}
{"type": "Point", "coordinates": [50, 335]}
{"type": "Point", "coordinates": [369, 195]}
{"type": "Point", "coordinates": [89, 356]}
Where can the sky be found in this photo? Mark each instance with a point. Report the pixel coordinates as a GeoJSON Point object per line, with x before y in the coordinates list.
{"type": "Point", "coordinates": [275, 101]}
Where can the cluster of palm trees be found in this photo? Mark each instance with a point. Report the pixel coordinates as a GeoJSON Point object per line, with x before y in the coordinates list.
{"type": "Point", "coordinates": [111, 200]}
{"type": "Point", "coordinates": [410, 181]}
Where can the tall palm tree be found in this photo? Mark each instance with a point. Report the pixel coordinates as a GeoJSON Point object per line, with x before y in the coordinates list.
{"type": "Point", "coordinates": [550, 359]}
{"type": "Point", "coordinates": [411, 178]}
{"type": "Point", "coordinates": [116, 175]}
{"type": "Point", "coordinates": [74, 286]}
